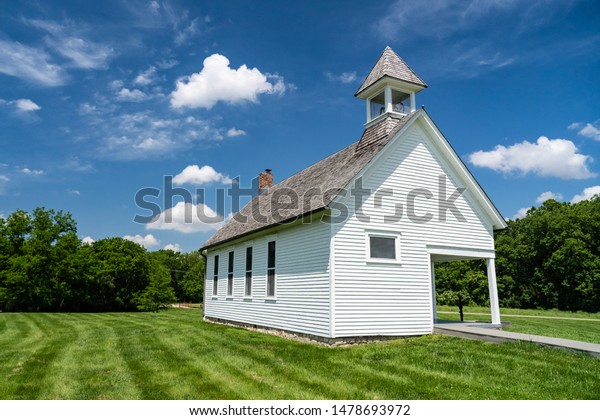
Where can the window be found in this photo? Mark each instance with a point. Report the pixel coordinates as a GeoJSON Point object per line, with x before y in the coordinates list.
{"type": "Point", "coordinates": [271, 269]}
{"type": "Point", "coordinates": [248, 287]}
{"type": "Point", "coordinates": [216, 275]}
{"type": "Point", "coordinates": [383, 247]}
{"type": "Point", "coordinates": [230, 274]}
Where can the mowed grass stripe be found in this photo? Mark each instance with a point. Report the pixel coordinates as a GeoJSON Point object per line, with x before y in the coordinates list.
{"type": "Point", "coordinates": [91, 366]}
{"type": "Point", "coordinates": [175, 355]}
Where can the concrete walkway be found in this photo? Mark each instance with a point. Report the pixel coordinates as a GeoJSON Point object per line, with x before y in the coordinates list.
{"type": "Point", "coordinates": [477, 331]}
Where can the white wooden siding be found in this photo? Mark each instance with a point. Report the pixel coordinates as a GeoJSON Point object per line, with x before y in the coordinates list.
{"type": "Point", "coordinates": [395, 299]}
{"type": "Point", "coordinates": [302, 285]}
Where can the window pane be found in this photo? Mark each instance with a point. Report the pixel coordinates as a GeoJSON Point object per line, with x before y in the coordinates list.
{"type": "Point", "coordinates": [383, 247]}
{"type": "Point", "coordinates": [249, 259]}
{"type": "Point", "coordinates": [248, 291]}
{"type": "Point", "coordinates": [216, 265]}
{"type": "Point", "coordinates": [230, 284]}
{"type": "Point", "coordinates": [215, 285]}
{"type": "Point", "coordinates": [230, 263]}
{"type": "Point", "coordinates": [271, 258]}
{"type": "Point", "coordinates": [270, 282]}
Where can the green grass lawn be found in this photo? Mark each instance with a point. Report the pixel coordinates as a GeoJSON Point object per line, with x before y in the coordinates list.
{"type": "Point", "coordinates": [175, 355]}
{"type": "Point", "coordinates": [581, 326]}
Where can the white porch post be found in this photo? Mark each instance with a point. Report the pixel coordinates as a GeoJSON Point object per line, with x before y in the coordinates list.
{"type": "Point", "coordinates": [413, 103]}
{"type": "Point", "coordinates": [433, 298]}
{"type": "Point", "coordinates": [494, 306]}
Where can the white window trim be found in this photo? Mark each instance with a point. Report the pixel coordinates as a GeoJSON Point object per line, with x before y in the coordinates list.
{"type": "Point", "coordinates": [382, 234]}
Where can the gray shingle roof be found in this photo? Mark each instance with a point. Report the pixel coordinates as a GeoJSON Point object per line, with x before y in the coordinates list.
{"type": "Point", "coordinates": [390, 64]}
{"type": "Point", "coordinates": [313, 188]}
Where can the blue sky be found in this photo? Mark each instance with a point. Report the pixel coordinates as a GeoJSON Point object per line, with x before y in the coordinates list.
{"type": "Point", "coordinates": [99, 100]}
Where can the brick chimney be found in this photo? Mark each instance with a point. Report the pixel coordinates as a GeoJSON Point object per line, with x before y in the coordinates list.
{"type": "Point", "coordinates": [265, 181]}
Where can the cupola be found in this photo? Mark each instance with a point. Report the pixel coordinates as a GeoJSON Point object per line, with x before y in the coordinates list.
{"type": "Point", "coordinates": [390, 88]}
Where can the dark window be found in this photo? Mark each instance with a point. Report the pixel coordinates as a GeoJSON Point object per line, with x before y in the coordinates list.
{"type": "Point", "coordinates": [216, 276]}
{"type": "Point", "coordinates": [248, 288]}
{"type": "Point", "coordinates": [382, 247]}
{"type": "Point", "coordinates": [271, 269]}
{"type": "Point", "coordinates": [230, 274]}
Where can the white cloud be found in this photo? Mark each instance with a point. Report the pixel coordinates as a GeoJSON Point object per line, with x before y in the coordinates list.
{"type": "Point", "coordinates": [346, 77]}
{"type": "Point", "coordinates": [27, 105]}
{"type": "Point", "coordinates": [590, 131]}
{"type": "Point", "coordinates": [167, 64]}
{"type": "Point", "coordinates": [29, 64]}
{"type": "Point", "coordinates": [195, 175]}
{"type": "Point", "coordinates": [147, 241]}
{"type": "Point", "coordinates": [73, 192]}
{"type": "Point", "coordinates": [548, 158]}
{"type": "Point", "coordinates": [548, 195]}
{"type": "Point", "coordinates": [154, 145]}
{"type": "Point", "coordinates": [173, 247]}
{"type": "Point", "coordinates": [33, 172]}
{"type": "Point", "coordinates": [187, 218]}
{"type": "Point", "coordinates": [68, 41]}
{"type": "Point", "coordinates": [188, 32]}
{"type": "Point", "coordinates": [586, 194]}
{"type": "Point", "coordinates": [219, 82]}
{"type": "Point", "coordinates": [142, 135]}
{"type": "Point", "coordinates": [234, 132]}
{"type": "Point", "coordinates": [147, 77]}
{"type": "Point", "coordinates": [88, 240]}
{"type": "Point", "coordinates": [135, 95]}
{"type": "Point", "coordinates": [521, 213]}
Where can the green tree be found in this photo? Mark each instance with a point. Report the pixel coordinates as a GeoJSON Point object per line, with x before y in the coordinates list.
{"type": "Point", "coordinates": [159, 293]}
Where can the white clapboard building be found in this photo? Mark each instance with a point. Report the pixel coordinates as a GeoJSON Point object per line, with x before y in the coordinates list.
{"type": "Point", "coordinates": [346, 248]}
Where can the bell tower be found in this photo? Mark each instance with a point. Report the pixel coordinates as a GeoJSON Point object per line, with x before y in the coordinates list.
{"type": "Point", "coordinates": [390, 88]}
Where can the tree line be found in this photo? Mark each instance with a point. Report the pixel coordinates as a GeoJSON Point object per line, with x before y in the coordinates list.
{"type": "Point", "coordinates": [549, 259]}
{"type": "Point", "coordinates": [44, 266]}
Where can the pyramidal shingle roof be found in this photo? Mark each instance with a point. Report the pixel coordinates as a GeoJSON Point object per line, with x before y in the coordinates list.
{"type": "Point", "coordinates": [390, 64]}
{"type": "Point", "coordinates": [311, 189]}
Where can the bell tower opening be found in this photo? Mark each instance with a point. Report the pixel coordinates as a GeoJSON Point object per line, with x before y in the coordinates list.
{"type": "Point", "coordinates": [390, 88]}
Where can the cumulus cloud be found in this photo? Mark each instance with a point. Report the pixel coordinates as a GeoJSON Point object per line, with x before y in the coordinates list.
{"type": "Point", "coordinates": [547, 158]}
{"type": "Point", "coordinates": [173, 247]}
{"type": "Point", "coordinates": [195, 175]}
{"type": "Point", "coordinates": [548, 195]}
{"type": "Point", "coordinates": [521, 213]}
{"type": "Point", "coordinates": [27, 105]}
{"type": "Point", "coordinates": [29, 64]}
{"type": "Point", "coordinates": [33, 172]}
{"type": "Point", "coordinates": [590, 131]}
{"type": "Point", "coordinates": [88, 240]}
{"type": "Point", "coordinates": [346, 77]}
{"type": "Point", "coordinates": [147, 77]}
{"type": "Point", "coordinates": [219, 82]}
{"type": "Point", "coordinates": [187, 218]}
{"type": "Point", "coordinates": [147, 241]}
{"type": "Point", "coordinates": [586, 194]}
{"type": "Point", "coordinates": [135, 95]}
{"type": "Point", "coordinates": [234, 132]}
